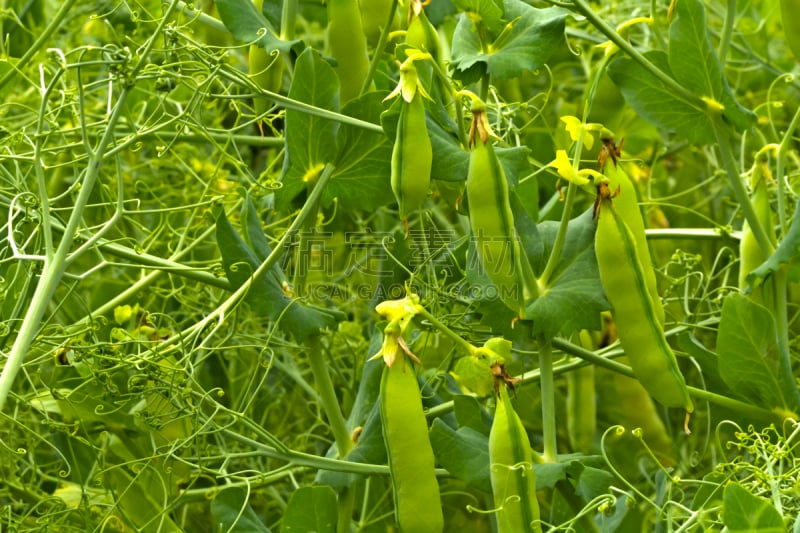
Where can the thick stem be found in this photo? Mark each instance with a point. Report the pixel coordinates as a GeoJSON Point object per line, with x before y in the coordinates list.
{"type": "Point", "coordinates": [327, 394]}
{"type": "Point", "coordinates": [727, 31]}
{"type": "Point", "coordinates": [679, 90]}
{"type": "Point", "coordinates": [736, 184]}
{"type": "Point", "coordinates": [547, 386]}
{"type": "Point", "coordinates": [452, 335]}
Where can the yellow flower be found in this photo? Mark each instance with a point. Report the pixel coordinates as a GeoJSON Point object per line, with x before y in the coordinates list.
{"type": "Point", "coordinates": [564, 167]}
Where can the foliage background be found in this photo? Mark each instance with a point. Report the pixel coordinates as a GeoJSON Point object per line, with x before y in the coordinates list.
{"type": "Point", "coordinates": [140, 191]}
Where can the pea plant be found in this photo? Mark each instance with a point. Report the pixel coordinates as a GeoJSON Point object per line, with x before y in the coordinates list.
{"type": "Point", "coordinates": [384, 265]}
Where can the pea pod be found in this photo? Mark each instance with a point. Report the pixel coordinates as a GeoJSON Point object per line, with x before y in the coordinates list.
{"type": "Point", "coordinates": [374, 16]}
{"type": "Point", "coordinates": [750, 253]}
{"type": "Point", "coordinates": [418, 507]}
{"type": "Point", "coordinates": [492, 221]}
{"type": "Point", "coordinates": [348, 46]}
{"type": "Point", "coordinates": [627, 208]}
{"type": "Point", "coordinates": [512, 476]}
{"type": "Point", "coordinates": [412, 157]}
{"type": "Point", "coordinates": [639, 330]}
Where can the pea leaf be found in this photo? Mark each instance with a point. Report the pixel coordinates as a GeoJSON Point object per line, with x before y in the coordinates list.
{"type": "Point", "coordinates": [695, 65]}
{"type": "Point", "coordinates": [266, 296]}
{"type": "Point", "coordinates": [233, 513]}
{"type": "Point", "coordinates": [786, 254]}
{"type": "Point", "coordinates": [361, 157]}
{"type": "Point", "coordinates": [463, 452]}
{"type": "Point", "coordinates": [655, 102]}
{"type": "Point", "coordinates": [247, 24]}
{"type": "Point", "coordinates": [490, 12]}
{"type": "Point", "coordinates": [469, 413]}
{"type": "Point", "coordinates": [749, 359]}
{"type": "Point", "coordinates": [310, 140]}
{"type": "Point", "coordinates": [574, 298]}
{"type": "Point", "coordinates": [311, 509]}
{"type": "Point", "coordinates": [363, 161]}
{"type": "Point", "coordinates": [535, 35]}
{"type": "Point", "coordinates": [745, 512]}
{"type": "Point", "coordinates": [141, 499]}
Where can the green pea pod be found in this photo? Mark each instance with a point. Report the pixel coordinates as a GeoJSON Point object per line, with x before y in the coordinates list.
{"type": "Point", "coordinates": [639, 330]}
{"type": "Point", "coordinates": [750, 253]}
{"type": "Point", "coordinates": [492, 223]}
{"type": "Point", "coordinates": [348, 46]}
{"type": "Point", "coordinates": [790, 12]}
{"type": "Point", "coordinates": [412, 157]}
{"type": "Point", "coordinates": [374, 16]}
{"type": "Point", "coordinates": [512, 476]}
{"type": "Point", "coordinates": [627, 208]}
{"type": "Point", "coordinates": [418, 507]}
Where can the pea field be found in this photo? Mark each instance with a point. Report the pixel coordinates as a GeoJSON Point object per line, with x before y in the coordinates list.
{"type": "Point", "coordinates": [405, 266]}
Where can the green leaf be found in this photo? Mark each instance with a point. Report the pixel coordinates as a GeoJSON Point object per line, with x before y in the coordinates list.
{"type": "Point", "coordinates": [710, 491]}
{"type": "Point", "coordinates": [695, 65]}
{"type": "Point", "coordinates": [474, 374]}
{"type": "Point", "coordinates": [745, 512]}
{"type": "Point", "coordinates": [141, 499]}
{"type": "Point", "coordinates": [310, 140]}
{"type": "Point", "coordinates": [233, 513]}
{"type": "Point", "coordinates": [708, 361]}
{"type": "Point", "coordinates": [463, 452]}
{"type": "Point", "coordinates": [490, 12]}
{"type": "Point", "coordinates": [363, 164]}
{"type": "Point", "coordinates": [574, 298]}
{"type": "Point", "coordinates": [749, 362]}
{"type": "Point", "coordinates": [590, 482]}
{"type": "Point", "coordinates": [657, 103]}
{"type": "Point", "coordinates": [469, 413]}
{"type": "Point", "coordinates": [311, 510]}
{"type": "Point", "coordinates": [786, 253]}
{"type": "Point", "coordinates": [256, 239]}
{"type": "Point", "coordinates": [266, 296]}
{"type": "Point", "coordinates": [247, 24]}
{"type": "Point", "coordinates": [535, 36]}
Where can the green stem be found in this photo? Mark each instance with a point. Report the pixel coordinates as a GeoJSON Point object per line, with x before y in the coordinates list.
{"type": "Point", "coordinates": [736, 184]}
{"type": "Point", "coordinates": [673, 86]}
{"type": "Point", "coordinates": [746, 409]}
{"type": "Point", "coordinates": [55, 21]}
{"type": "Point", "coordinates": [55, 264]}
{"type": "Point", "coordinates": [548, 389]}
{"type": "Point", "coordinates": [691, 233]}
{"type": "Point", "coordinates": [241, 78]}
{"type": "Point", "coordinates": [327, 394]}
{"type": "Point", "coordinates": [179, 339]}
{"type": "Point", "coordinates": [288, 19]}
{"type": "Point", "coordinates": [314, 462]}
{"type": "Point", "coordinates": [727, 31]}
{"type": "Point", "coordinates": [376, 57]}
{"type": "Point", "coordinates": [204, 18]}
{"type": "Point", "coordinates": [783, 149]}
{"type": "Point", "coordinates": [347, 498]}
{"type": "Point", "coordinates": [452, 335]}
{"type": "Point", "coordinates": [572, 188]}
